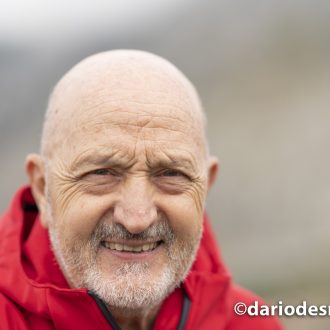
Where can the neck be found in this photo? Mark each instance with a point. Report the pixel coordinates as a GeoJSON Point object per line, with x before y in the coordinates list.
{"type": "Point", "coordinates": [142, 319]}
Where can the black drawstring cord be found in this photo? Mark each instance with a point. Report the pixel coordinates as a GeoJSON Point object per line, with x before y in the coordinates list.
{"type": "Point", "coordinates": [185, 311]}
{"type": "Point", "coordinates": [106, 313]}
{"type": "Point", "coordinates": [115, 326]}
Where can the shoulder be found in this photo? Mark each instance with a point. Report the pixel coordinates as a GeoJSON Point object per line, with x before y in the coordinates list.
{"type": "Point", "coordinates": [11, 315]}
{"type": "Point", "coordinates": [14, 317]}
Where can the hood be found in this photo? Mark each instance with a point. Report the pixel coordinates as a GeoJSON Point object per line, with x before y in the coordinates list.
{"type": "Point", "coordinates": [29, 269]}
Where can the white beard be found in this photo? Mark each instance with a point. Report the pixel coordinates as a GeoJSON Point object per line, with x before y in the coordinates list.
{"type": "Point", "coordinates": [132, 286]}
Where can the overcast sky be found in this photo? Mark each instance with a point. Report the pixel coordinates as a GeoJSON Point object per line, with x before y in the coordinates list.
{"type": "Point", "coordinates": [36, 20]}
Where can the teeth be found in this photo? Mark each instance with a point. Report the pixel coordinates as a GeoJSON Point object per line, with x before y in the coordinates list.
{"type": "Point", "coordinates": [124, 247]}
{"type": "Point", "coordinates": [145, 247]}
{"type": "Point", "coordinates": [119, 247]}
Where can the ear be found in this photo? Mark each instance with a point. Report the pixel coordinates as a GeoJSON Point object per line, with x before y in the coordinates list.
{"type": "Point", "coordinates": [213, 168]}
{"type": "Point", "coordinates": [35, 169]}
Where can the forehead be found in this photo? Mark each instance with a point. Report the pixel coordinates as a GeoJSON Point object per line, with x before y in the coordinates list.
{"type": "Point", "coordinates": [130, 129]}
{"type": "Point", "coordinates": [138, 114]}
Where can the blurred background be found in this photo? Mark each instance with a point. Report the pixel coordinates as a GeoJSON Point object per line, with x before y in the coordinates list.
{"type": "Point", "coordinates": [262, 70]}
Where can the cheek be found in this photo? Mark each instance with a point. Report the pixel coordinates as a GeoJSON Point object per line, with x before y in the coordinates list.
{"type": "Point", "coordinates": [184, 215]}
{"type": "Point", "coordinates": [76, 216]}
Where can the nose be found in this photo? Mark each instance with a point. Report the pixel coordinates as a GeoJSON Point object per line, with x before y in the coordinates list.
{"type": "Point", "coordinates": [135, 209]}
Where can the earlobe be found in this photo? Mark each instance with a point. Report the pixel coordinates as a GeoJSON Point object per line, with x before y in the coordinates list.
{"type": "Point", "coordinates": [35, 170]}
{"type": "Point", "coordinates": [213, 169]}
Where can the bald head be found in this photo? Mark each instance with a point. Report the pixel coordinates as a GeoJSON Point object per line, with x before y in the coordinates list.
{"type": "Point", "coordinates": [111, 81]}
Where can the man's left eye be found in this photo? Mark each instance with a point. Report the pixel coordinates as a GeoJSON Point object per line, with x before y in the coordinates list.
{"type": "Point", "coordinates": [171, 173]}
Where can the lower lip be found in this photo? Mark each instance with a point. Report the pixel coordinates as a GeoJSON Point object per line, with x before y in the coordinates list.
{"type": "Point", "coordinates": [133, 255]}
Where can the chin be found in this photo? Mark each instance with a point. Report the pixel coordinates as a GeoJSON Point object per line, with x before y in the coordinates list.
{"type": "Point", "coordinates": [132, 287]}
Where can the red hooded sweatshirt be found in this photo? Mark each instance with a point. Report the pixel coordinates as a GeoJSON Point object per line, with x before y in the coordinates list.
{"type": "Point", "coordinates": [35, 295]}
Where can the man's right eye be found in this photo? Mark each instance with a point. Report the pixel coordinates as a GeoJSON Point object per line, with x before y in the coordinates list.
{"type": "Point", "coordinates": [103, 171]}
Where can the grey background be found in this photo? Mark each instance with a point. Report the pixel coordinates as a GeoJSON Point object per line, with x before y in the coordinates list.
{"type": "Point", "coordinates": [262, 70]}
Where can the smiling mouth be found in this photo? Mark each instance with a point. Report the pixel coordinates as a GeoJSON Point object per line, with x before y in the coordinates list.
{"type": "Point", "coordinates": [147, 247]}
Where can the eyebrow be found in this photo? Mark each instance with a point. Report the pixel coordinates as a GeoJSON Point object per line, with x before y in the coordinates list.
{"type": "Point", "coordinates": [177, 162]}
{"type": "Point", "coordinates": [99, 160]}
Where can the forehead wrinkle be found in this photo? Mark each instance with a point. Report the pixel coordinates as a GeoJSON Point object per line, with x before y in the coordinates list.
{"type": "Point", "coordinates": [129, 120]}
{"type": "Point", "coordinates": [141, 125]}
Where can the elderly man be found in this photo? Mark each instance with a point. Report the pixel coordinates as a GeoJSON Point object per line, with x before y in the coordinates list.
{"type": "Point", "coordinates": [111, 233]}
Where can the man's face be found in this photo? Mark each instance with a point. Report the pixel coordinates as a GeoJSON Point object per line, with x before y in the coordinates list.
{"type": "Point", "coordinates": [125, 199]}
